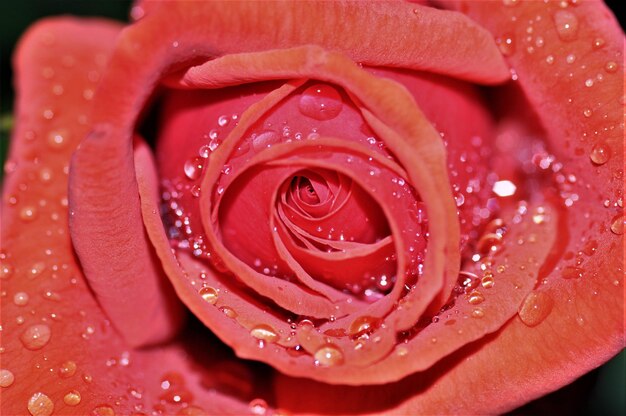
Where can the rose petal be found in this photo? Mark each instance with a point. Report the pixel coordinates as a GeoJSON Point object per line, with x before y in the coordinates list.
{"type": "Point", "coordinates": [56, 340]}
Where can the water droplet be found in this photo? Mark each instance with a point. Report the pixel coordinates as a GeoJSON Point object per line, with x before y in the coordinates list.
{"type": "Point", "coordinates": [617, 224]}
{"type": "Point", "coordinates": [258, 407]}
{"type": "Point", "coordinates": [598, 43]}
{"type": "Point", "coordinates": [600, 154]}
{"type": "Point", "coordinates": [570, 272]}
{"type": "Point", "coordinates": [475, 297]}
{"type": "Point", "coordinates": [588, 82]}
{"type": "Point", "coordinates": [264, 139]}
{"type": "Point", "coordinates": [28, 213]}
{"type": "Point", "coordinates": [103, 411]}
{"type": "Point", "coordinates": [611, 67]}
{"type": "Point", "coordinates": [487, 281]}
{"type": "Point", "coordinates": [204, 151]}
{"type": "Point", "coordinates": [510, 3]}
{"type": "Point", "coordinates": [209, 294]}
{"type": "Point", "coordinates": [223, 121]}
{"type": "Point", "coordinates": [478, 313]}
{"type": "Point", "coordinates": [57, 139]}
{"type": "Point", "coordinates": [193, 168]}
{"type": "Point", "coordinates": [72, 398]}
{"type": "Point", "coordinates": [566, 25]}
{"type": "Point", "coordinates": [264, 332]}
{"type": "Point", "coordinates": [36, 336]}
{"type": "Point", "coordinates": [328, 356]}
{"type": "Point", "coordinates": [535, 308]}
{"type": "Point", "coordinates": [363, 325]}
{"type": "Point", "coordinates": [20, 298]}
{"type": "Point", "coordinates": [549, 59]}
{"type": "Point", "coordinates": [506, 44]}
{"type": "Point", "coordinates": [6, 271]}
{"type": "Point", "coordinates": [321, 102]}
{"type": "Point", "coordinates": [488, 243]}
{"type": "Point", "coordinates": [67, 369]}
{"type": "Point", "coordinates": [230, 312]}
{"type": "Point", "coordinates": [6, 378]}
{"type": "Point", "coordinates": [587, 112]}
{"type": "Point", "coordinates": [40, 405]}
{"type": "Point", "coordinates": [570, 58]}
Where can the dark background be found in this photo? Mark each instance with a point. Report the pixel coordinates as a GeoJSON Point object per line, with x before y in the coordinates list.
{"type": "Point", "coordinates": [601, 392]}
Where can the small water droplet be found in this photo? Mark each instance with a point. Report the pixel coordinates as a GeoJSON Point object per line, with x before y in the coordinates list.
{"type": "Point", "coordinates": [611, 67]}
{"type": "Point", "coordinates": [6, 378]}
{"type": "Point", "coordinates": [597, 43]}
{"type": "Point", "coordinates": [566, 25]}
{"type": "Point", "coordinates": [510, 3]}
{"type": "Point", "coordinates": [223, 121]}
{"type": "Point", "coordinates": [571, 272]}
{"type": "Point", "coordinates": [57, 139]}
{"type": "Point", "coordinates": [28, 213]}
{"type": "Point", "coordinates": [363, 325]}
{"type": "Point", "coordinates": [20, 298]}
{"type": "Point", "coordinates": [506, 44]}
{"type": "Point", "coordinates": [204, 151]}
{"type": "Point", "coordinates": [103, 411]}
{"type": "Point", "coordinates": [209, 294]}
{"type": "Point", "coordinates": [478, 313]}
{"type": "Point", "coordinates": [535, 308]}
{"type": "Point", "coordinates": [72, 398]}
{"type": "Point", "coordinates": [600, 154]}
{"type": "Point", "coordinates": [40, 405]}
{"type": "Point", "coordinates": [487, 281]}
{"type": "Point", "coordinates": [588, 82]}
{"type": "Point", "coordinates": [488, 243]}
{"type": "Point", "coordinates": [36, 336]}
{"type": "Point", "coordinates": [587, 112]}
{"type": "Point", "coordinates": [570, 59]}
{"type": "Point", "coordinates": [258, 407]}
{"type": "Point", "coordinates": [264, 139]}
{"type": "Point", "coordinates": [475, 297]}
{"type": "Point", "coordinates": [549, 59]}
{"type": "Point", "coordinates": [328, 356]}
{"type": "Point", "coordinates": [6, 271]}
{"type": "Point", "coordinates": [230, 312]}
{"type": "Point", "coordinates": [264, 332]}
{"type": "Point", "coordinates": [67, 369]}
{"type": "Point", "coordinates": [617, 224]}
{"type": "Point", "coordinates": [321, 102]}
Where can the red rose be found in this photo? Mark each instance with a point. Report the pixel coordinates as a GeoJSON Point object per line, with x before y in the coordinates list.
{"type": "Point", "coordinates": [342, 205]}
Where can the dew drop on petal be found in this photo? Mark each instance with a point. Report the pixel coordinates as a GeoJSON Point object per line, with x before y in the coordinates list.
{"type": "Point", "coordinates": [478, 313]}
{"type": "Point", "coordinates": [72, 398]}
{"type": "Point", "coordinates": [103, 411]}
{"type": "Point", "coordinates": [617, 224]}
{"type": "Point", "coordinates": [258, 407]}
{"type": "Point", "coordinates": [67, 369]}
{"type": "Point", "coordinates": [264, 332]}
{"type": "Point", "coordinates": [228, 311]}
{"type": "Point", "coordinates": [328, 356]}
{"type": "Point", "coordinates": [40, 405]}
{"type": "Point", "coordinates": [600, 154]}
{"type": "Point", "coordinates": [6, 271]}
{"type": "Point", "coordinates": [6, 378]}
{"type": "Point", "coordinates": [475, 297]}
{"type": "Point", "coordinates": [535, 308]}
{"type": "Point", "coordinates": [264, 139]}
{"type": "Point", "coordinates": [193, 168]}
{"type": "Point", "coordinates": [320, 102]}
{"type": "Point", "coordinates": [36, 336]}
{"type": "Point", "coordinates": [363, 325]}
{"type": "Point", "coordinates": [20, 298]}
{"type": "Point", "coordinates": [566, 25]}
{"type": "Point", "coordinates": [487, 281]}
{"type": "Point", "coordinates": [611, 67]}
{"type": "Point", "coordinates": [209, 294]}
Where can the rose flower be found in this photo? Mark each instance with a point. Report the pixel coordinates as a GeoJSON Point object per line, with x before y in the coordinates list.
{"type": "Point", "coordinates": [313, 207]}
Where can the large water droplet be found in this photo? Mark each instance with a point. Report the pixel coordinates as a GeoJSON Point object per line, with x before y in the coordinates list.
{"type": "Point", "coordinates": [328, 356]}
{"type": "Point", "coordinates": [6, 378]}
{"type": "Point", "coordinates": [363, 325]}
{"type": "Point", "coordinates": [264, 139]}
{"type": "Point", "coordinates": [617, 225]}
{"type": "Point", "coordinates": [40, 405]}
{"type": "Point", "coordinates": [193, 168]}
{"type": "Point", "coordinates": [209, 294]}
{"type": "Point", "coordinates": [600, 154]}
{"type": "Point", "coordinates": [535, 308]}
{"type": "Point", "coordinates": [264, 332]}
{"type": "Point", "coordinates": [566, 25]}
{"type": "Point", "coordinates": [320, 102]}
{"type": "Point", "coordinates": [72, 398]}
{"type": "Point", "coordinates": [36, 336]}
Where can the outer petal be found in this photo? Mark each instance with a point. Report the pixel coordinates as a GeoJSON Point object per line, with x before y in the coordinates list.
{"type": "Point", "coordinates": [59, 350]}
{"type": "Point", "coordinates": [583, 317]}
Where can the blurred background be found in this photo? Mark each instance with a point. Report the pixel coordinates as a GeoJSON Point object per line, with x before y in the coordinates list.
{"type": "Point", "coordinates": [601, 392]}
